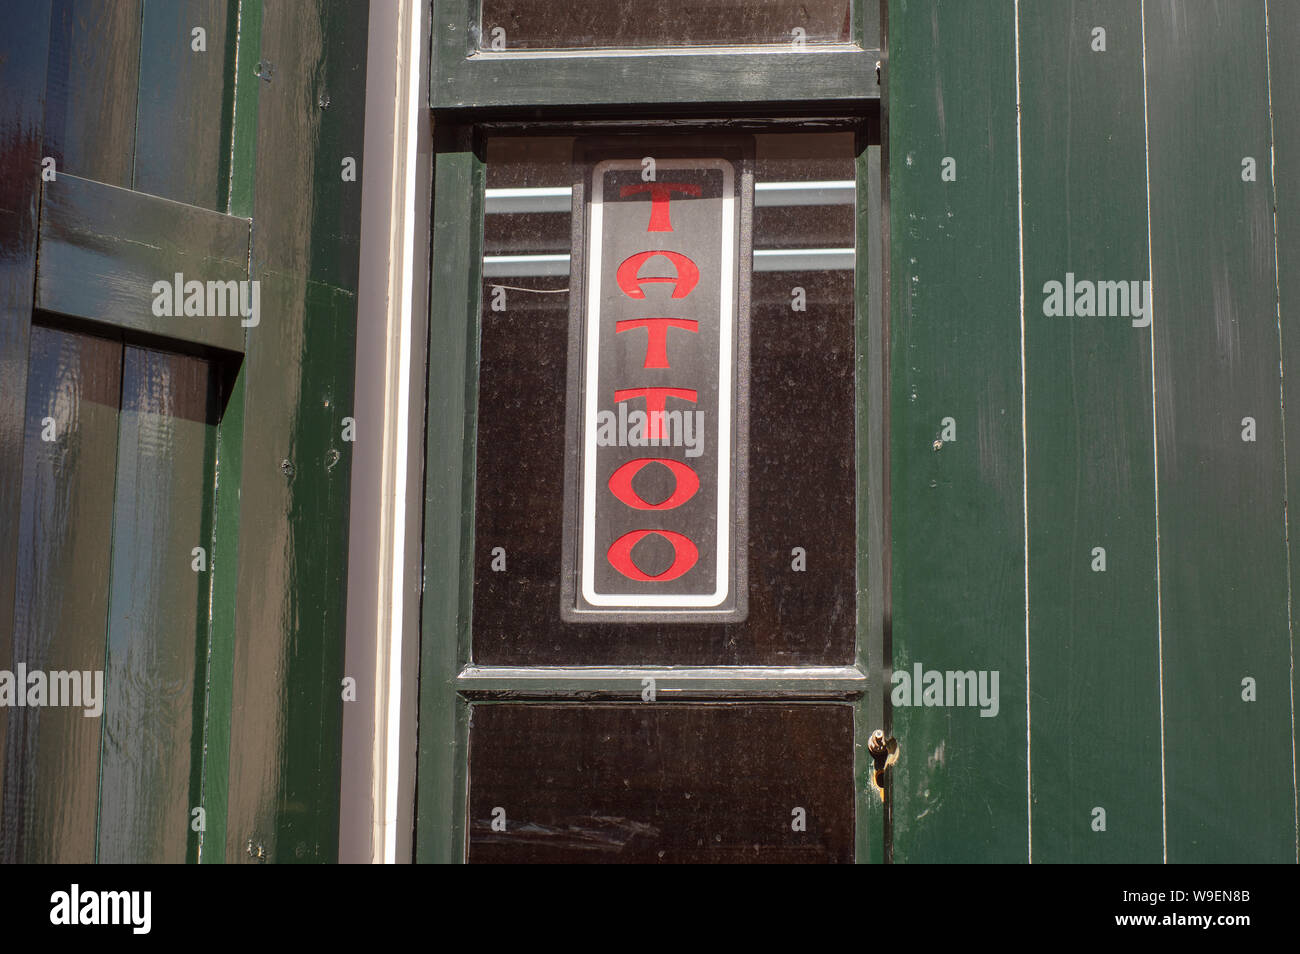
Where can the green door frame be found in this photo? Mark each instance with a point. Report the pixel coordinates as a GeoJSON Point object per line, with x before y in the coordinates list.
{"type": "Point", "coordinates": [470, 91]}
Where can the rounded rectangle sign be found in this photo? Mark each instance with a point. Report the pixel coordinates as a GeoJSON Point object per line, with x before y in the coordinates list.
{"type": "Point", "coordinates": [658, 368]}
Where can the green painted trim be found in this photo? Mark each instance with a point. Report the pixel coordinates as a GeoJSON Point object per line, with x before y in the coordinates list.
{"type": "Point", "coordinates": [101, 249]}
{"type": "Point", "coordinates": [503, 80]}
{"type": "Point", "coordinates": [462, 78]}
{"type": "Point", "coordinates": [206, 632]}
{"type": "Point", "coordinates": [957, 563]}
{"type": "Point", "coordinates": [224, 544]}
{"type": "Point", "coordinates": [223, 581]}
{"type": "Point", "coordinates": [611, 683]}
{"type": "Point", "coordinates": [286, 710]}
{"type": "Point", "coordinates": [243, 121]}
{"type": "Point", "coordinates": [869, 431]}
{"type": "Point", "coordinates": [229, 92]}
{"type": "Point", "coordinates": [1284, 88]}
{"type": "Point", "coordinates": [449, 494]}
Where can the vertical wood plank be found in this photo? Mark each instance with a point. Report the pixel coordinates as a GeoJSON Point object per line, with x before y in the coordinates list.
{"type": "Point", "coordinates": [24, 57]}
{"type": "Point", "coordinates": [1095, 703]}
{"type": "Point", "coordinates": [457, 247]}
{"type": "Point", "coordinates": [286, 725]}
{"type": "Point", "coordinates": [869, 473]}
{"type": "Point", "coordinates": [229, 466]}
{"type": "Point", "coordinates": [94, 65]}
{"type": "Point", "coordinates": [957, 512]}
{"type": "Point", "coordinates": [157, 621]}
{"type": "Point", "coordinates": [1284, 92]}
{"type": "Point", "coordinates": [182, 137]}
{"type": "Point", "coordinates": [1229, 782]}
{"type": "Point", "coordinates": [51, 772]}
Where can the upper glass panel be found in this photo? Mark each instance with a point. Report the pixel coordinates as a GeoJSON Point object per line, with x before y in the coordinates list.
{"type": "Point", "coordinates": [515, 25]}
{"type": "Point", "coordinates": [800, 536]}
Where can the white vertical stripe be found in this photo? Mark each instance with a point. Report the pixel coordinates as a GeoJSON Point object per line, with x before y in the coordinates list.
{"type": "Point", "coordinates": [1024, 448]}
{"type": "Point", "coordinates": [398, 400]}
{"type": "Point", "coordinates": [1281, 393]}
{"type": "Point", "coordinates": [1155, 444]}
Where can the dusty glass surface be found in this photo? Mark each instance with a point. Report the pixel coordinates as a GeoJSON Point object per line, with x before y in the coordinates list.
{"type": "Point", "coordinates": [801, 541]}
{"type": "Point", "coordinates": [635, 24]}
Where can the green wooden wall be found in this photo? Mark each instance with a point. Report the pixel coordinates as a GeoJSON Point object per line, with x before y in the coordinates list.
{"type": "Point", "coordinates": [222, 684]}
{"type": "Point", "coordinates": [1155, 686]}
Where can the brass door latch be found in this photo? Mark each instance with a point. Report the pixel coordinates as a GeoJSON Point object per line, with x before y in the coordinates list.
{"type": "Point", "coordinates": [884, 753]}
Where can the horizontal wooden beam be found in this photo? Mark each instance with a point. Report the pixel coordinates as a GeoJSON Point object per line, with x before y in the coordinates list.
{"type": "Point", "coordinates": [531, 682]}
{"type": "Point", "coordinates": [842, 75]}
{"type": "Point", "coordinates": [102, 249]}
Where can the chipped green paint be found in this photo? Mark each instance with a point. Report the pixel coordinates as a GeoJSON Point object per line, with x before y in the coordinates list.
{"type": "Point", "coordinates": [1126, 165]}
{"type": "Point", "coordinates": [959, 787]}
{"type": "Point", "coordinates": [286, 729]}
{"type": "Point", "coordinates": [1095, 737]}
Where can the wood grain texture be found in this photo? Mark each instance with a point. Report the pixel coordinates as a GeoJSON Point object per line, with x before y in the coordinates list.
{"type": "Point", "coordinates": [286, 726]}
{"type": "Point", "coordinates": [23, 61]}
{"type": "Point", "coordinates": [158, 607]}
{"type": "Point", "coordinates": [183, 132]}
{"type": "Point", "coordinates": [94, 67]}
{"type": "Point", "coordinates": [63, 550]}
{"type": "Point", "coordinates": [102, 248]}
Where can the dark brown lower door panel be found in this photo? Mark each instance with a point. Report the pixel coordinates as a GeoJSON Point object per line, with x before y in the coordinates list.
{"type": "Point", "coordinates": [661, 782]}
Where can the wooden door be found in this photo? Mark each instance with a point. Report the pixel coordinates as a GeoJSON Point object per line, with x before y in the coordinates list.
{"type": "Point", "coordinates": [545, 736]}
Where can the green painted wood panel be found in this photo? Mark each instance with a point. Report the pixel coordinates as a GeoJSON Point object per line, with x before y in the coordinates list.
{"type": "Point", "coordinates": [1093, 640]}
{"type": "Point", "coordinates": [454, 307]}
{"type": "Point", "coordinates": [1223, 558]}
{"type": "Point", "coordinates": [94, 62]}
{"type": "Point", "coordinates": [24, 56]}
{"type": "Point", "coordinates": [183, 130]}
{"type": "Point", "coordinates": [958, 587]}
{"type": "Point", "coordinates": [229, 471]}
{"type": "Point", "coordinates": [51, 770]}
{"type": "Point", "coordinates": [869, 472]}
{"type": "Point", "coordinates": [1284, 92]}
{"type": "Point", "coordinates": [286, 728]}
{"type": "Point", "coordinates": [102, 248]}
{"type": "Point", "coordinates": [157, 621]}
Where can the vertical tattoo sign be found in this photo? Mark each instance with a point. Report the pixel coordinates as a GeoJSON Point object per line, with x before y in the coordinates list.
{"type": "Point", "coordinates": [655, 501]}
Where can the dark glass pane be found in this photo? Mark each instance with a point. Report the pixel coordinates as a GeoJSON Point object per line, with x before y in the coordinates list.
{"type": "Point", "coordinates": [661, 783]}
{"type": "Point", "coordinates": [801, 420]}
{"type": "Point", "coordinates": [630, 24]}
